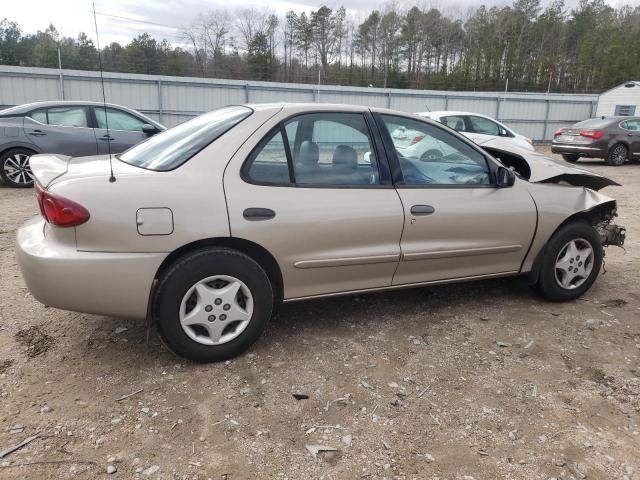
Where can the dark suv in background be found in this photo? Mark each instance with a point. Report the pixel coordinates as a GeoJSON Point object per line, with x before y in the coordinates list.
{"type": "Point", "coordinates": [616, 139]}
{"type": "Point", "coordinates": [76, 129]}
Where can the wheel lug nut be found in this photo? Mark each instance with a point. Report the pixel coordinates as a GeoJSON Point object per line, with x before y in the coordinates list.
{"type": "Point", "coordinates": [226, 306]}
{"type": "Point", "coordinates": [208, 308]}
{"type": "Point", "coordinates": [217, 301]}
{"type": "Point", "coordinates": [223, 317]}
{"type": "Point", "coordinates": [212, 318]}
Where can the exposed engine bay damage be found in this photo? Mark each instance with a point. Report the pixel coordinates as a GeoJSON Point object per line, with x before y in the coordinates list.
{"type": "Point", "coordinates": [538, 168]}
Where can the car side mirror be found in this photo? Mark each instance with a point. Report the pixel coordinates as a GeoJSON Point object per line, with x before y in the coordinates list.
{"type": "Point", "coordinates": [505, 177]}
{"type": "Point", "coordinates": [503, 133]}
{"type": "Point", "coordinates": [149, 129]}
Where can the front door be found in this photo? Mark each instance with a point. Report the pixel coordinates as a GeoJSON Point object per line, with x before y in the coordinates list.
{"type": "Point", "coordinates": [125, 130]}
{"type": "Point", "coordinates": [458, 224]}
{"type": "Point", "coordinates": [64, 130]}
{"type": "Point", "coordinates": [313, 194]}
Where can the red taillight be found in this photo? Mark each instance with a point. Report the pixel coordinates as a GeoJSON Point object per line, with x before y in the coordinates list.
{"type": "Point", "coordinates": [416, 139]}
{"type": "Point", "coordinates": [558, 132]}
{"type": "Point", "coordinates": [60, 211]}
{"type": "Point", "coordinates": [595, 134]}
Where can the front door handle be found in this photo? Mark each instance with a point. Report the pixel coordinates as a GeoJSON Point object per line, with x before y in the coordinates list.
{"type": "Point", "coordinates": [258, 213]}
{"type": "Point", "coordinates": [104, 138]}
{"type": "Point", "coordinates": [422, 210]}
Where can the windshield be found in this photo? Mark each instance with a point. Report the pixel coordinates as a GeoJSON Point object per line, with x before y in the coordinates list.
{"type": "Point", "coordinates": [173, 147]}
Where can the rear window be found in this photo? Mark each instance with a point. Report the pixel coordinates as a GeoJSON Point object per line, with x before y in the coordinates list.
{"type": "Point", "coordinates": [594, 123]}
{"type": "Point", "coordinates": [171, 148]}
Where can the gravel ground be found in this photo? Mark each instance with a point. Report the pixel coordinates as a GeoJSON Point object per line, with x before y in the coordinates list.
{"type": "Point", "coordinates": [480, 380]}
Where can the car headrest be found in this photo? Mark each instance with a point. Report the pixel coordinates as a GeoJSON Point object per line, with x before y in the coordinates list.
{"type": "Point", "coordinates": [459, 125]}
{"type": "Point", "coordinates": [309, 153]}
{"type": "Point", "coordinates": [345, 156]}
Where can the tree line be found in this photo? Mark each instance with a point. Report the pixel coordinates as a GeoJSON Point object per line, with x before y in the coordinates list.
{"type": "Point", "coordinates": [588, 48]}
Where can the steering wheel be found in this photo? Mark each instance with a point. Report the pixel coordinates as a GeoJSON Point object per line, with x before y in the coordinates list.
{"type": "Point", "coordinates": [431, 155]}
{"type": "Point", "coordinates": [410, 172]}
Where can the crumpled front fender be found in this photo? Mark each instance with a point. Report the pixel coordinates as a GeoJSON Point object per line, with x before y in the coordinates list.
{"type": "Point", "coordinates": [557, 204]}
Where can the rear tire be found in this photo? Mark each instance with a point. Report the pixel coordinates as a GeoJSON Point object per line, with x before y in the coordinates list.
{"type": "Point", "coordinates": [570, 157]}
{"type": "Point", "coordinates": [618, 155]}
{"type": "Point", "coordinates": [196, 284]}
{"type": "Point", "coordinates": [577, 270]}
{"type": "Point", "coordinates": [14, 168]}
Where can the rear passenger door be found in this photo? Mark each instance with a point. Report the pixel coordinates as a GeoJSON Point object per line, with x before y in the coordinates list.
{"type": "Point", "coordinates": [314, 192]}
{"type": "Point", "coordinates": [632, 129]}
{"type": "Point", "coordinates": [125, 129]}
{"type": "Point", "coordinates": [65, 130]}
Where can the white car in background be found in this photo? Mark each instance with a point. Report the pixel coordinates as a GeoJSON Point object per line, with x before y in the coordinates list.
{"type": "Point", "coordinates": [481, 129]}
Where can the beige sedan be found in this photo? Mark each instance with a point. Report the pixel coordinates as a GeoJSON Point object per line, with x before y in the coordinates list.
{"type": "Point", "coordinates": [204, 227]}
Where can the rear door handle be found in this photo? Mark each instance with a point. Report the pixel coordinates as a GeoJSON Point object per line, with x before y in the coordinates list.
{"type": "Point", "coordinates": [104, 138]}
{"type": "Point", "coordinates": [37, 133]}
{"type": "Point", "coordinates": [422, 210]}
{"type": "Point", "coordinates": [258, 213]}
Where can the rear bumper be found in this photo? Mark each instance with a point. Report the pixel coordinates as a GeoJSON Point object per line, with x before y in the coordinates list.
{"type": "Point", "coordinates": [582, 150]}
{"type": "Point", "coordinates": [116, 284]}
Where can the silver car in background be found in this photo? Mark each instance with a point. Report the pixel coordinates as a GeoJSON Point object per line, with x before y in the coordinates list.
{"type": "Point", "coordinates": [69, 128]}
{"type": "Point", "coordinates": [211, 223]}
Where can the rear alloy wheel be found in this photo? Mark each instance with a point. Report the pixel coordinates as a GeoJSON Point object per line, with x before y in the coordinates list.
{"type": "Point", "coordinates": [15, 170]}
{"type": "Point", "coordinates": [570, 157]}
{"type": "Point", "coordinates": [618, 155]}
{"type": "Point", "coordinates": [571, 263]}
{"type": "Point", "coordinates": [212, 304]}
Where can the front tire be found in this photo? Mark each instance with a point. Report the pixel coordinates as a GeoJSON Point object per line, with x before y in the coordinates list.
{"type": "Point", "coordinates": [618, 155]}
{"type": "Point", "coordinates": [14, 168]}
{"type": "Point", "coordinates": [212, 304]}
{"type": "Point", "coordinates": [571, 262]}
{"type": "Point", "coordinates": [570, 157]}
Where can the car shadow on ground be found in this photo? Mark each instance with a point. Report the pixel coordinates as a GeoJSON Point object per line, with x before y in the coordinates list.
{"type": "Point", "coordinates": [117, 341]}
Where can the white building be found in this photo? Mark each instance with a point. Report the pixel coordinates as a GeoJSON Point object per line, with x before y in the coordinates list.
{"type": "Point", "coordinates": [621, 100]}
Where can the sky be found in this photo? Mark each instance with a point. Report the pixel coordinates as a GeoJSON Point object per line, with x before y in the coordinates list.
{"type": "Point", "coordinates": [122, 20]}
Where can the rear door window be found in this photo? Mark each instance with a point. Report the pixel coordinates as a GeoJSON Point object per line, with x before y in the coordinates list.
{"type": "Point", "coordinates": [316, 149]}
{"type": "Point", "coordinates": [454, 121]}
{"type": "Point", "coordinates": [62, 116]}
{"type": "Point", "coordinates": [483, 126]}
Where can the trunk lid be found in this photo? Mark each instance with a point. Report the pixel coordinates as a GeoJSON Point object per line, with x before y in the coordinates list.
{"type": "Point", "coordinates": [51, 168]}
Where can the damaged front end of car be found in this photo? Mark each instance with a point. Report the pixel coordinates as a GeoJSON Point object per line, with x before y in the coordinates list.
{"type": "Point", "coordinates": [610, 233]}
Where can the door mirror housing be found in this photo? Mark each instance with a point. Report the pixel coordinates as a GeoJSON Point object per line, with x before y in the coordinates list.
{"type": "Point", "coordinates": [505, 177]}
{"type": "Point", "coordinates": [149, 129]}
{"type": "Point", "coordinates": [503, 132]}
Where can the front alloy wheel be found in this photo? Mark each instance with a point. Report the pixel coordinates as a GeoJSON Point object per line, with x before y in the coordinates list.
{"type": "Point", "coordinates": [15, 169]}
{"type": "Point", "coordinates": [574, 263]}
{"type": "Point", "coordinates": [571, 262]}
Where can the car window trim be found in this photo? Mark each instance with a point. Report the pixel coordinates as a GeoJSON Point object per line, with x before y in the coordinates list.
{"type": "Point", "coordinates": [244, 169]}
{"type": "Point", "coordinates": [394, 164]}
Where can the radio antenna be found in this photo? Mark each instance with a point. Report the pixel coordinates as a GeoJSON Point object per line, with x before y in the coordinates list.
{"type": "Point", "coordinates": [112, 178]}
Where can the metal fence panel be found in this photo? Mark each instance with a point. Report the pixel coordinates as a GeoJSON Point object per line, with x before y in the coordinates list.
{"type": "Point", "coordinates": [172, 100]}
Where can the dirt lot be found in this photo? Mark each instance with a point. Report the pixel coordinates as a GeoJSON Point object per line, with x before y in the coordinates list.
{"type": "Point", "coordinates": [480, 380]}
